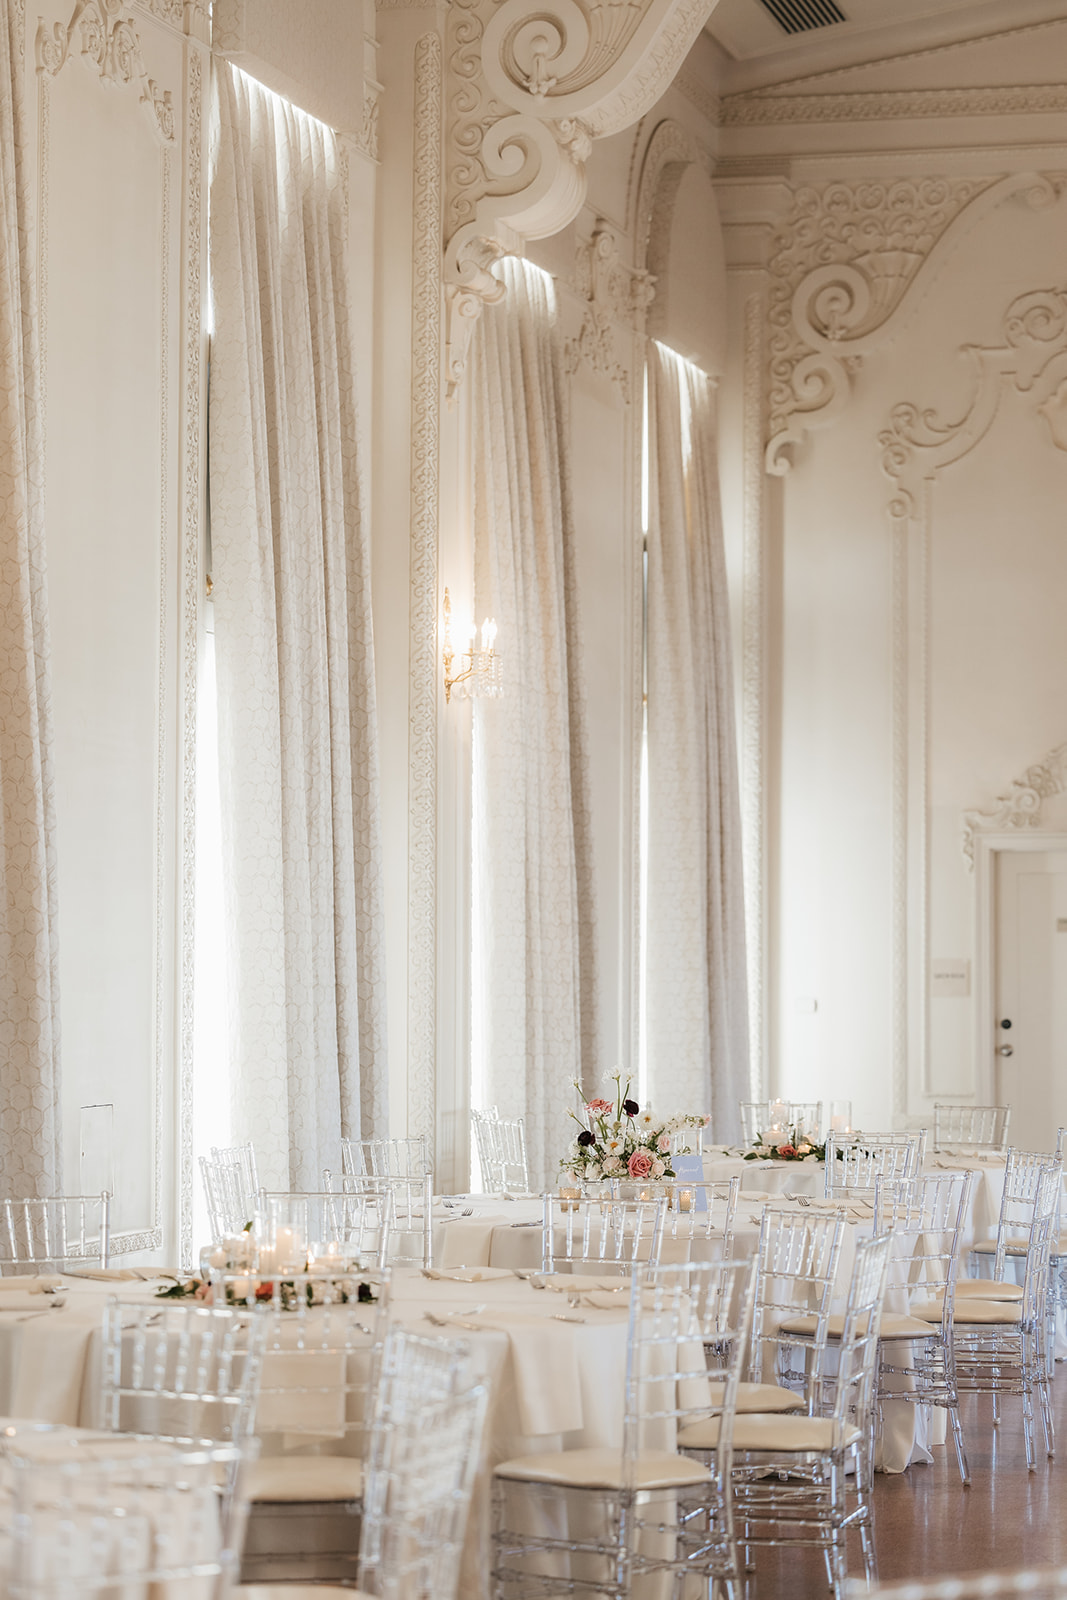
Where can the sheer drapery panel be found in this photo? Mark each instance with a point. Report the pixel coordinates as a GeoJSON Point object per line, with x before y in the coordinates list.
{"type": "Point", "coordinates": [290, 564]}
{"type": "Point", "coordinates": [535, 959]}
{"type": "Point", "coordinates": [29, 1006]}
{"type": "Point", "coordinates": [696, 1043]}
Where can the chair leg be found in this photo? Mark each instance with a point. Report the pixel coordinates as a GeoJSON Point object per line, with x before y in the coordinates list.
{"type": "Point", "coordinates": [1028, 1428]}
{"type": "Point", "coordinates": [1047, 1423]}
{"type": "Point", "coordinates": [957, 1440]}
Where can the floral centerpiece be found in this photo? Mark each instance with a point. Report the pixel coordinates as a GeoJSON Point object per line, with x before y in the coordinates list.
{"type": "Point", "coordinates": [785, 1144]}
{"type": "Point", "coordinates": [291, 1291]}
{"type": "Point", "coordinates": [616, 1139]}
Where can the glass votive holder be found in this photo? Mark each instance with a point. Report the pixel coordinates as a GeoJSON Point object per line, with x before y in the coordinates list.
{"type": "Point", "coordinates": [840, 1116]}
{"type": "Point", "coordinates": [685, 1200]}
{"type": "Point", "coordinates": [569, 1196]}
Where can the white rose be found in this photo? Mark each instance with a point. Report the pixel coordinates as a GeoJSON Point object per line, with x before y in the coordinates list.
{"type": "Point", "coordinates": [803, 1148]}
{"type": "Point", "coordinates": [612, 1164]}
{"type": "Point", "coordinates": [811, 1158]}
{"type": "Point", "coordinates": [593, 1170]}
{"type": "Point", "coordinates": [658, 1169]}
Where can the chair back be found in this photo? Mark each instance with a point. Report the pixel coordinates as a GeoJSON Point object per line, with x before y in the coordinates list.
{"type": "Point", "coordinates": [609, 1237]}
{"type": "Point", "coordinates": [186, 1373]}
{"type": "Point", "coordinates": [1027, 1181]}
{"type": "Point", "coordinates": [501, 1145]}
{"type": "Point", "coordinates": [109, 1516]}
{"type": "Point", "coordinates": [755, 1118]}
{"type": "Point", "coordinates": [925, 1218]}
{"type": "Point", "coordinates": [975, 1127]}
{"type": "Point", "coordinates": [324, 1227]}
{"type": "Point", "coordinates": [409, 1203]}
{"type": "Point", "coordinates": [854, 1163]}
{"type": "Point", "coordinates": [857, 1351]}
{"type": "Point", "coordinates": [700, 1219]}
{"type": "Point", "coordinates": [325, 1332]}
{"type": "Point", "coordinates": [231, 1204]}
{"type": "Point", "coordinates": [420, 1470]}
{"type": "Point", "coordinates": [806, 1118]}
{"type": "Point", "coordinates": [673, 1311]}
{"type": "Point", "coordinates": [386, 1158]}
{"type": "Point", "coordinates": [796, 1266]}
{"type": "Point", "coordinates": [52, 1233]}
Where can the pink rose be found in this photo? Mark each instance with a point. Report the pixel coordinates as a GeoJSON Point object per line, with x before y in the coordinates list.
{"type": "Point", "coordinates": [599, 1107]}
{"type": "Point", "coordinates": [205, 1293]}
{"type": "Point", "coordinates": [787, 1150]}
{"type": "Point", "coordinates": [663, 1143]}
{"type": "Point", "coordinates": [639, 1164]}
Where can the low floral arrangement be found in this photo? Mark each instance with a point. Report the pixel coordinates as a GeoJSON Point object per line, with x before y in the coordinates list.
{"type": "Point", "coordinates": [290, 1292]}
{"type": "Point", "coordinates": [788, 1145]}
{"type": "Point", "coordinates": [619, 1140]}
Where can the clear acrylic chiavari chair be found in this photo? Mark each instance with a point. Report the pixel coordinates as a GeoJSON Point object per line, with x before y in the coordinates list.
{"type": "Point", "coordinates": [925, 1218]}
{"type": "Point", "coordinates": [992, 1262]}
{"type": "Point", "coordinates": [386, 1158]}
{"type": "Point", "coordinates": [231, 1204]}
{"type": "Point", "coordinates": [409, 1203]}
{"type": "Point", "coordinates": [1001, 1346]}
{"type": "Point", "coordinates": [598, 1521]}
{"type": "Point", "coordinates": [854, 1163]}
{"type": "Point", "coordinates": [181, 1373]}
{"type": "Point", "coordinates": [605, 1237]}
{"type": "Point", "coordinates": [93, 1515]}
{"type": "Point", "coordinates": [796, 1270]}
{"type": "Point", "coordinates": [501, 1146]}
{"type": "Point", "coordinates": [325, 1334]}
{"type": "Point", "coordinates": [700, 1220]}
{"type": "Point", "coordinates": [970, 1127]}
{"type": "Point", "coordinates": [806, 1480]}
{"type": "Point", "coordinates": [424, 1450]}
{"type": "Point", "coordinates": [48, 1235]}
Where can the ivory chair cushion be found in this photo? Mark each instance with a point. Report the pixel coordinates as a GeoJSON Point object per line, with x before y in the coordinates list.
{"type": "Point", "coordinates": [296, 1591]}
{"type": "Point", "coordinates": [988, 1247]}
{"type": "Point", "coordinates": [994, 1313]}
{"type": "Point", "coordinates": [603, 1469]}
{"type": "Point", "coordinates": [760, 1397]}
{"type": "Point", "coordinates": [988, 1289]}
{"type": "Point", "coordinates": [894, 1326]}
{"type": "Point", "coordinates": [305, 1478]}
{"type": "Point", "coordinates": [766, 1433]}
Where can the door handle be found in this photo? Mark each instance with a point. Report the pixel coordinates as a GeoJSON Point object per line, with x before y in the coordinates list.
{"type": "Point", "coordinates": [1005, 1050]}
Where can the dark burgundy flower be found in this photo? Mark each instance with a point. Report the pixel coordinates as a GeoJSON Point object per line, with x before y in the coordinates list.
{"type": "Point", "coordinates": [586, 1138]}
{"type": "Point", "coordinates": [631, 1107]}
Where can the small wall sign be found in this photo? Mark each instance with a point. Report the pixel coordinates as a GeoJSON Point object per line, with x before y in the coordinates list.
{"type": "Point", "coordinates": [950, 977]}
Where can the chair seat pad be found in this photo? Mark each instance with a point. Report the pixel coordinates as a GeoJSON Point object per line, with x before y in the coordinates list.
{"type": "Point", "coordinates": [760, 1398]}
{"type": "Point", "coordinates": [298, 1591]}
{"type": "Point", "coordinates": [972, 1311]}
{"type": "Point", "coordinates": [300, 1478]}
{"type": "Point", "coordinates": [766, 1433]}
{"type": "Point", "coordinates": [603, 1469]}
{"type": "Point", "coordinates": [987, 1289]}
{"type": "Point", "coordinates": [988, 1247]}
{"type": "Point", "coordinates": [893, 1327]}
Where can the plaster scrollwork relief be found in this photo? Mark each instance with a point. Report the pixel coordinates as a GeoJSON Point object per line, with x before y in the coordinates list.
{"type": "Point", "coordinates": [108, 43]}
{"type": "Point", "coordinates": [1020, 806]}
{"type": "Point", "coordinates": [917, 443]}
{"type": "Point", "coordinates": [614, 294]}
{"type": "Point", "coordinates": [850, 258]}
{"type": "Point", "coordinates": [530, 90]}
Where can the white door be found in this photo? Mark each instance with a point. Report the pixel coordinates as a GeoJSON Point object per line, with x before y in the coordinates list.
{"type": "Point", "coordinates": [1029, 1030]}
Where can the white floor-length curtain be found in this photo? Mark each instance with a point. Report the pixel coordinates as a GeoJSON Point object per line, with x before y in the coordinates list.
{"type": "Point", "coordinates": [290, 565]}
{"type": "Point", "coordinates": [535, 978]}
{"type": "Point", "coordinates": [29, 1051]}
{"type": "Point", "coordinates": [696, 1044]}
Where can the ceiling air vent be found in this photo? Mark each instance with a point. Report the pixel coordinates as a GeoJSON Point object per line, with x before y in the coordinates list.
{"type": "Point", "coordinates": [800, 16]}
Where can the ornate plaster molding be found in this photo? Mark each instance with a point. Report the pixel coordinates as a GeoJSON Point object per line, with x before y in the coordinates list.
{"type": "Point", "coordinates": [614, 294]}
{"type": "Point", "coordinates": [530, 90]}
{"type": "Point", "coordinates": [917, 444]}
{"type": "Point", "coordinates": [422, 609]}
{"type": "Point", "coordinates": [1020, 806]}
{"type": "Point", "coordinates": [708, 104]}
{"type": "Point", "coordinates": [850, 258]}
{"type": "Point", "coordinates": [762, 109]}
{"type": "Point", "coordinates": [110, 45]}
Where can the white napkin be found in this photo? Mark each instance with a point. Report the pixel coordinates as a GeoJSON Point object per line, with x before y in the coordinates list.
{"type": "Point", "coordinates": [29, 1300]}
{"type": "Point", "coordinates": [577, 1282]}
{"type": "Point", "coordinates": [28, 1285]}
{"type": "Point", "coordinates": [467, 1274]}
{"type": "Point", "coordinates": [123, 1274]}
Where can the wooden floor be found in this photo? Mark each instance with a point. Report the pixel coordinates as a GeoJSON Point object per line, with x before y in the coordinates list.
{"type": "Point", "coordinates": [927, 1525]}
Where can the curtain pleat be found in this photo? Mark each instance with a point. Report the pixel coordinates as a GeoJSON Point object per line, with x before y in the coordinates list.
{"type": "Point", "coordinates": [290, 564]}
{"type": "Point", "coordinates": [535, 955]}
{"type": "Point", "coordinates": [696, 991]}
{"type": "Point", "coordinates": [29, 1006]}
